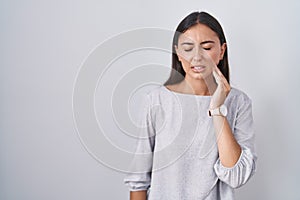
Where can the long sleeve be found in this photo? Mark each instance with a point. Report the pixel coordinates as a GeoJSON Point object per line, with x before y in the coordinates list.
{"type": "Point", "coordinates": [243, 131]}
{"type": "Point", "coordinates": [139, 175]}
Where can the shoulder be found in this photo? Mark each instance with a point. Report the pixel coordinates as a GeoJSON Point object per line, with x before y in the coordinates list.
{"type": "Point", "coordinates": [150, 95]}
{"type": "Point", "coordinates": [237, 93]}
{"type": "Point", "coordinates": [155, 91]}
{"type": "Point", "coordinates": [239, 104]}
{"type": "Point", "coordinates": [238, 97]}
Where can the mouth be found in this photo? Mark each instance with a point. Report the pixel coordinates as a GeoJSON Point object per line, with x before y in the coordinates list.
{"type": "Point", "coordinates": [198, 68]}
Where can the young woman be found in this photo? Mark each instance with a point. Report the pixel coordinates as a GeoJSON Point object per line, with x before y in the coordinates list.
{"type": "Point", "coordinates": [199, 138]}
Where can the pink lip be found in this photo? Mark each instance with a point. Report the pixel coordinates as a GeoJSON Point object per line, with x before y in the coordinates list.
{"type": "Point", "coordinates": [198, 68]}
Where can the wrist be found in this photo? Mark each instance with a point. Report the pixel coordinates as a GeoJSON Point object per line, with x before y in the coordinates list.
{"type": "Point", "coordinates": [214, 106]}
{"type": "Point", "coordinates": [218, 111]}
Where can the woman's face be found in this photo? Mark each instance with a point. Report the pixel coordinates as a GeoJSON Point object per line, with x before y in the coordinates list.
{"type": "Point", "coordinates": [199, 50]}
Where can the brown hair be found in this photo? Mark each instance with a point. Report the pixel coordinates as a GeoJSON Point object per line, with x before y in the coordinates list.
{"type": "Point", "coordinates": [177, 73]}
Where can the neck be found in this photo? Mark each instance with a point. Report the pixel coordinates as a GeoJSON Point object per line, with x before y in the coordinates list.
{"type": "Point", "coordinates": [204, 87]}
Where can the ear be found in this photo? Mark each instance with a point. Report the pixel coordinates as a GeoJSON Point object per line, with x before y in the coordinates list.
{"type": "Point", "coordinates": [223, 49]}
{"type": "Point", "coordinates": [177, 52]}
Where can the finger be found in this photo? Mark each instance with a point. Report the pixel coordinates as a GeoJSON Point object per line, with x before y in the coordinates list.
{"type": "Point", "coordinates": [222, 77]}
{"type": "Point", "coordinates": [219, 72]}
{"type": "Point", "coordinates": [222, 83]}
{"type": "Point", "coordinates": [217, 77]}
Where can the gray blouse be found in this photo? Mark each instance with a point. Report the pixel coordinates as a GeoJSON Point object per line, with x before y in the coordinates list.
{"type": "Point", "coordinates": [177, 155]}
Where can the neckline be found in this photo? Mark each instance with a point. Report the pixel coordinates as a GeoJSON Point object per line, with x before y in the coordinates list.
{"type": "Point", "coordinates": [184, 94]}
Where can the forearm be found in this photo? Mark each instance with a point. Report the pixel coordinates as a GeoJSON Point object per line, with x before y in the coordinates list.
{"type": "Point", "coordinates": [138, 195]}
{"type": "Point", "coordinates": [229, 149]}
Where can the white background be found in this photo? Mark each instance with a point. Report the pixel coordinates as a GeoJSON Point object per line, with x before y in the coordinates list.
{"type": "Point", "coordinates": [43, 44]}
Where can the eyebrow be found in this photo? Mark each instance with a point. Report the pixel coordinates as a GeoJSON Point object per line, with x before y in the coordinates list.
{"type": "Point", "coordinates": [191, 43]}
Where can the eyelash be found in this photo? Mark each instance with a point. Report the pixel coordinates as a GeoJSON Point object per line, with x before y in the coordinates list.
{"type": "Point", "coordinates": [187, 50]}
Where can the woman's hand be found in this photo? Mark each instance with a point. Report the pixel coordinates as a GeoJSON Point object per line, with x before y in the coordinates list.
{"type": "Point", "coordinates": [223, 89]}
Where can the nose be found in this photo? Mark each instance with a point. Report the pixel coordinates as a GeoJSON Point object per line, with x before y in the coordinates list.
{"type": "Point", "coordinates": [198, 54]}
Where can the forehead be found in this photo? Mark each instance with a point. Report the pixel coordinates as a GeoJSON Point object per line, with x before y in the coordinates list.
{"type": "Point", "coordinates": [199, 33]}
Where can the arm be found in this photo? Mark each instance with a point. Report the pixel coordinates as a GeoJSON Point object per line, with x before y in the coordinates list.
{"type": "Point", "coordinates": [138, 195]}
{"type": "Point", "coordinates": [232, 167]}
{"type": "Point", "coordinates": [229, 149]}
{"type": "Point", "coordinates": [237, 158]}
{"type": "Point", "coordinates": [138, 179]}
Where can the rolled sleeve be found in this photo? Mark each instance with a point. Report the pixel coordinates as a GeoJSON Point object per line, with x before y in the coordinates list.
{"type": "Point", "coordinates": [243, 132]}
{"type": "Point", "coordinates": [138, 182]}
{"type": "Point", "coordinates": [240, 173]}
{"type": "Point", "coordinates": [139, 175]}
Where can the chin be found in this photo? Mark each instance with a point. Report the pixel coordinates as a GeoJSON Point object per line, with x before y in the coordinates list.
{"type": "Point", "coordinates": [196, 76]}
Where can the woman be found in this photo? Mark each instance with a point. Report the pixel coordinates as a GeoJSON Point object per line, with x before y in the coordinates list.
{"type": "Point", "coordinates": [199, 142]}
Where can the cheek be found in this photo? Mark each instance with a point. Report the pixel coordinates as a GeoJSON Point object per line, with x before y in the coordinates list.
{"type": "Point", "coordinates": [186, 57]}
{"type": "Point", "coordinates": [215, 56]}
{"type": "Point", "coordinates": [186, 65]}
{"type": "Point", "coordinates": [186, 60]}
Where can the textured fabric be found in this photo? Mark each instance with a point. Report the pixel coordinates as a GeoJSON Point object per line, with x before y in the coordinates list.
{"type": "Point", "coordinates": [177, 155]}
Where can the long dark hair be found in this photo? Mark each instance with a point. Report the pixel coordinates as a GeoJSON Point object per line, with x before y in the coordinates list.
{"type": "Point", "coordinates": [177, 73]}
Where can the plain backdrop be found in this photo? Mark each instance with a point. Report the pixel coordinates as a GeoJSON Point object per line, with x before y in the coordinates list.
{"type": "Point", "coordinates": [44, 43]}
